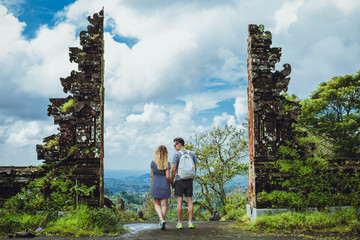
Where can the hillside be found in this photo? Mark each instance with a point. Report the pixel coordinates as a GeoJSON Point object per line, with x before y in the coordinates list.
{"type": "Point", "coordinates": [130, 184]}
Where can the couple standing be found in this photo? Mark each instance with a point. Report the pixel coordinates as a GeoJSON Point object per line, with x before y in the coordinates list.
{"type": "Point", "coordinates": [161, 181]}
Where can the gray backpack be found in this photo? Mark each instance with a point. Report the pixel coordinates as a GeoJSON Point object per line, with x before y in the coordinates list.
{"type": "Point", "coordinates": [186, 169]}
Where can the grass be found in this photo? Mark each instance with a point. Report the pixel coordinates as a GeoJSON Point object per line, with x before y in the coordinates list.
{"type": "Point", "coordinates": [16, 222]}
{"type": "Point", "coordinates": [342, 221]}
{"type": "Point", "coordinates": [82, 222]}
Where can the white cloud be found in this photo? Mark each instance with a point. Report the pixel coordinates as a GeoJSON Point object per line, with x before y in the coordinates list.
{"type": "Point", "coordinates": [45, 63]}
{"type": "Point", "coordinates": [346, 6]}
{"type": "Point", "coordinates": [38, 62]}
{"type": "Point", "coordinates": [202, 101]}
{"type": "Point", "coordinates": [321, 44]}
{"type": "Point", "coordinates": [241, 108]}
{"type": "Point", "coordinates": [240, 112]}
{"type": "Point", "coordinates": [24, 133]}
{"type": "Point", "coordinates": [224, 119]}
{"type": "Point", "coordinates": [190, 59]}
{"type": "Point", "coordinates": [19, 141]}
{"type": "Point", "coordinates": [326, 54]}
{"type": "Point", "coordinates": [287, 15]}
{"type": "Point", "coordinates": [12, 27]}
{"type": "Point", "coordinates": [177, 51]}
{"type": "Point", "coordinates": [137, 136]}
{"type": "Point", "coordinates": [233, 68]}
{"type": "Point", "coordinates": [15, 5]}
{"type": "Point", "coordinates": [152, 114]}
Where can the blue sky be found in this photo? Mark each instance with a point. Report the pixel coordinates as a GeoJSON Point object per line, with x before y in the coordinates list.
{"type": "Point", "coordinates": [172, 67]}
{"type": "Point", "coordinates": [36, 13]}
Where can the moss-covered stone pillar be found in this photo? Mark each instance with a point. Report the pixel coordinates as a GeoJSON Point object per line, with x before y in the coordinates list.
{"type": "Point", "coordinates": [80, 116]}
{"type": "Point", "coordinates": [269, 122]}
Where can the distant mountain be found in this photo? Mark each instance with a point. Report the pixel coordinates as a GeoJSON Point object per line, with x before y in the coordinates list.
{"type": "Point", "coordinates": [121, 174]}
{"type": "Point", "coordinates": [138, 178]}
{"type": "Point", "coordinates": [130, 184]}
{"type": "Point", "coordinates": [123, 181]}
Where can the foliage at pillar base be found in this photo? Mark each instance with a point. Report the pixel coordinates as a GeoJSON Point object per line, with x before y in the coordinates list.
{"type": "Point", "coordinates": [308, 180]}
{"type": "Point", "coordinates": [236, 206]}
{"type": "Point", "coordinates": [221, 154]}
{"type": "Point", "coordinates": [320, 167]}
{"type": "Point", "coordinates": [56, 190]}
{"type": "Point", "coordinates": [12, 221]}
{"type": "Point", "coordinates": [83, 221]}
{"type": "Point", "coordinates": [345, 221]}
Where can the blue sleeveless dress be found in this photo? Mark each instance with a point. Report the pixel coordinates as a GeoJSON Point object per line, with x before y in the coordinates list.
{"type": "Point", "coordinates": [160, 187]}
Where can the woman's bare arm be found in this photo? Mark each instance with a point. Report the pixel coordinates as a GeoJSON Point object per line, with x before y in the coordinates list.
{"type": "Point", "coordinates": [152, 175]}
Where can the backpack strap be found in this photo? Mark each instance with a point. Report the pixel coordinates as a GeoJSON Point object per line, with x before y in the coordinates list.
{"type": "Point", "coordinates": [186, 151]}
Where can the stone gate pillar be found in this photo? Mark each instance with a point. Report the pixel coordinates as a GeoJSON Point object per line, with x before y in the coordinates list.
{"type": "Point", "coordinates": [269, 122]}
{"type": "Point", "coordinates": [80, 143]}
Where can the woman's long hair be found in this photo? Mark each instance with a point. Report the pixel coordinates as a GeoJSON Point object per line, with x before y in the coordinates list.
{"type": "Point", "coordinates": [161, 158]}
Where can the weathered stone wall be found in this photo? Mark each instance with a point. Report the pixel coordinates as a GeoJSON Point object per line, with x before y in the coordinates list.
{"type": "Point", "coordinates": [269, 120]}
{"type": "Point", "coordinates": [80, 116]}
{"type": "Point", "coordinates": [13, 179]}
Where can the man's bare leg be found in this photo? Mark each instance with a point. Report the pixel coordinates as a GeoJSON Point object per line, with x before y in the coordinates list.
{"type": "Point", "coordinates": [179, 208]}
{"type": "Point", "coordinates": [190, 208]}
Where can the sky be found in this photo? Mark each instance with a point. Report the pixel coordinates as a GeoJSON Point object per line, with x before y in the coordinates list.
{"type": "Point", "coordinates": [172, 68]}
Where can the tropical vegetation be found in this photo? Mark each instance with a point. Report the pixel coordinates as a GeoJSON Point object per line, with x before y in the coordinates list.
{"type": "Point", "coordinates": [315, 170]}
{"type": "Point", "coordinates": [221, 154]}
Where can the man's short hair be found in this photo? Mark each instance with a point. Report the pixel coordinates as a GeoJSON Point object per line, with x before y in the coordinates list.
{"type": "Point", "coordinates": [179, 140]}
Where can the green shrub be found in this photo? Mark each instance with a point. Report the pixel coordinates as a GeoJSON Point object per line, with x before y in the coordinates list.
{"type": "Point", "coordinates": [235, 207]}
{"type": "Point", "coordinates": [308, 180]}
{"type": "Point", "coordinates": [283, 199]}
{"type": "Point", "coordinates": [355, 226]}
{"type": "Point", "coordinates": [82, 222]}
{"type": "Point", "coordinates": [87, 222]}
{"type": "Point", "coordinates": [127, 216]}
{"type": "Point", "coordinates": [11, 222]}
{"type": "Point", "coordinates": [54, 191]}
{"type": "Point", "coordinates": [200, 214]}
{"type": "Point", "coordinates": [345, 221]}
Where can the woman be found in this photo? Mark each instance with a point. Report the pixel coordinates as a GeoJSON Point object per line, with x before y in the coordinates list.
{"type": "Point", "coordinates": [160, 183]}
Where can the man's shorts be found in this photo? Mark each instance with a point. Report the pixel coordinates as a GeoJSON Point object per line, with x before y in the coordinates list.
{"type": "Point", "coordinates": [184, 187]}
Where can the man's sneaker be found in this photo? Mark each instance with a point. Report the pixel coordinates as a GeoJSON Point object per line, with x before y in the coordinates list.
{"type": "Point", "coordinates": [191, 226]}
{"type": "Point", "coordinates": [179, 225]}
{"type": "Point", "coordinates": [162, 224]}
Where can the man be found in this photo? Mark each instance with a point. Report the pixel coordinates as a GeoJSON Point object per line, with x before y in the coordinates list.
{"type": "Point", "coordinates": [182, 187]}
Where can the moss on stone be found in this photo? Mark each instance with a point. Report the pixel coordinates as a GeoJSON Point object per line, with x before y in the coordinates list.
{"type": "Point", "coordinates": [66, 106]}
{"type": "Point", "coordinates": [50, 144]}
{"type": "Point", "coordinates": [95, 36]}
{"type": "Point", "coordinates": [71, 150]}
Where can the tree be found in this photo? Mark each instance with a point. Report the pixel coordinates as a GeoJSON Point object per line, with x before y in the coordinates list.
{"type": "Point", "coordinates": [333, 113]}
{"type": "Point", "coordinates": [220, 153]}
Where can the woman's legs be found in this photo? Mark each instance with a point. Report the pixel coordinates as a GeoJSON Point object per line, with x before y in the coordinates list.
{"type": "Point", "coordinates": [163, 203]}
{"type": "Point", "coordinates": [158, 208]}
